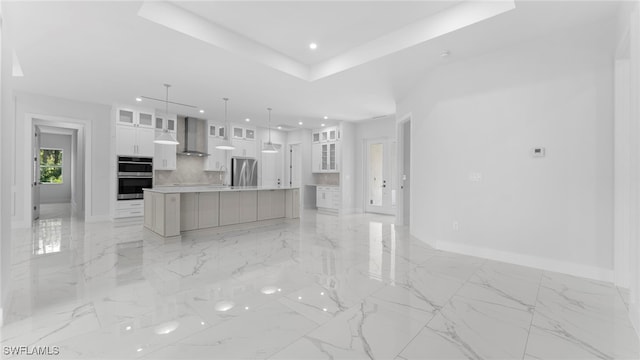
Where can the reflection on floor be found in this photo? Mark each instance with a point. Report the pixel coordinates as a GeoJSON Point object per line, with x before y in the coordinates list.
{"type": "Point", "coordinates": [352, 287]}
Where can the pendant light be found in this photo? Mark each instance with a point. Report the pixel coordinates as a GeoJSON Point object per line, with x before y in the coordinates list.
{"type": "Point", "coordinates": [269, 147]}
{"type": "Point", "coordinates": [166, 138]}
{"type": "Point", "coordinates": [226, 143]}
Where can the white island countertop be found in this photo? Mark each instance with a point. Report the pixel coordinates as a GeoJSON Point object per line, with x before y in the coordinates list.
{"type": "Point", "coordinates": [173, 189]}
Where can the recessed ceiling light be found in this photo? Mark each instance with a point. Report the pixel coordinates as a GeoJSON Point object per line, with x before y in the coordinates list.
{"type": "Point", "coordinates": [445, 53]}
{"type": "Point", "coordinates": [321, 124]}
{"type": "Point", "coordinates": [300, 123]}
{"type": "Point", "coordinates": [138, 99]}
{"type": "Point", "coordinates": [247, 119]}
{"type": "Point", "coordinates": [313, 46]}
{"type": "Point", "coordinates": [326, 117]}
{"type": "Point", "coordinates": [279, 127]}
{"type": "Point", "coordinates": [201, 111]}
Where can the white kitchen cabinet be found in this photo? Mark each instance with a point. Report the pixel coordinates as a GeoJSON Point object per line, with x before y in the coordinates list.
{"type": "Point", "coordinates": [292, 203]}
{"type": "Point", "coordinates": [208, 209]}
{"type": "Point", "coordinates": [244, 148]}
{"type": "Point", "coordinates": [199, 210]}
{"type": "Point", "coordinates": [162, 213]}
{"type": "Point", "coordinates": [238, 207]}
{"type": "Point", "coordinates": [229, 207]}
{"type": "Point", "coordinates": [328, 199]}
{"type": "Point", "coordinates": [135, 118]}
{"type": "Point", "coordinates": [134, 132]}
{"type": "Point", "coordinates": [237, 132]}
{"type": "Point", "coordinates": [271, 204]}
{"type": "Point", "coordinates": [165, 157]}
{"type": "Point", "coordinates": [135, 141]}
{"type": "Point", "coordinates": [162, 121]}
{"type": "Point", "coordinates": [325, 151]}
{"type": "Point", "coordinates": [188, 211]}
{"type": "Point", "coordinates": [129, 208]}
{"type": "Point", "coordinates": [217, 159]}
{"type": "Point", "coordinates": [248, 206]}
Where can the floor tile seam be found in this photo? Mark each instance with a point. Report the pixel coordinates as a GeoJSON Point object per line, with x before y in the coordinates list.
{"type": "Point", "coordinates": [535, 305]}
{"type": "Point", "coordinates": [299, 338]}
{"type": "Point", "coordinates": [622, 298]}
{"type": "Point", "coordinates": [437, 311]}
{"type": "Point", "coordinates": [417, 334]}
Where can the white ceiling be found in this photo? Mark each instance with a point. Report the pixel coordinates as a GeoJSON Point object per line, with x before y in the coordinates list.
{"type": "Point", "coordinates": [104, 52]}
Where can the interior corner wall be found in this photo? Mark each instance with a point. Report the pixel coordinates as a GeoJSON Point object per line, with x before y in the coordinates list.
{"type": "Point", "coordinates": [373, 129]}
{"type": "Point", "coordinates": [629, 21]}
{"type": "Point", "coordinates": [98, 116]}
{"type": "Point", "coordinates": [58, 193]}
{"type": "Point", "coordinates": [475, 122]}
{"type": "Point", "coordinates": [5, 179]}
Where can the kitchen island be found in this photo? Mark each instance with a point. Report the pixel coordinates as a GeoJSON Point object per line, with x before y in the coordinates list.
{"type": "Point", "coordinates": [168, 210]}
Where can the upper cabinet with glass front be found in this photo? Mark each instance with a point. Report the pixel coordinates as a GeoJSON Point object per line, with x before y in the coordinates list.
{"type": "Point", "coordinates": [135, 118]}
{"type": "Point", "coordinates": [325, 154]}
{"type": "Point", "coordinates": [162, 121]}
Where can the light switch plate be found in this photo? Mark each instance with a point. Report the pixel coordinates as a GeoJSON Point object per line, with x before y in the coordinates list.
{"type": "Point", "coordinates": [538, 152]}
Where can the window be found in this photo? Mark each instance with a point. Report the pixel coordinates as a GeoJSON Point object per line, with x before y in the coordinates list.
{"type": "Point", "coordinates": [51, 166]}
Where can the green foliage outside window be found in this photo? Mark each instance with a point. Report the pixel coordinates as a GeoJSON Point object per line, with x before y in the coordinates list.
{"type": "Point", "coordinates": [50, 166]}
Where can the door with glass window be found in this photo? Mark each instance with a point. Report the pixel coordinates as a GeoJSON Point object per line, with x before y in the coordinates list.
{"type": "Point", "coordinates": [380, 191]}
{"type": "Point", "coordinates": [35, 181]}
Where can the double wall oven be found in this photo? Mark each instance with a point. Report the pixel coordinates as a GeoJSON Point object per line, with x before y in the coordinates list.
{"type": "Point", "coordinates": [134, 174]}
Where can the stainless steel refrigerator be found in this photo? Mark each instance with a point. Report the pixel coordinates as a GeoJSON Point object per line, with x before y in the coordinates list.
{"type": "Point", "coordinates": [244, 172]}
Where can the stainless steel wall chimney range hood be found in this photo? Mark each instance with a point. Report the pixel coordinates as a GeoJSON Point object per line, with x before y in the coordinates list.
{"type": "Point", "coordinates": [192, 136]}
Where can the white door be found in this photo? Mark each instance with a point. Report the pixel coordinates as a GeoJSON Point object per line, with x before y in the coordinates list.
{"type": "Point", "coordinates": [272, 169]}
{"type": "Point", "coordinates": [35, 184]}
{"type": "Point", "coordinates": [294, 165]}
{"type": "Point", "coordinates": [379, 183]}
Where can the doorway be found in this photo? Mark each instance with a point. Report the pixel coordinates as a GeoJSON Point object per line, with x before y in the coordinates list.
{"type": "Point", "coordinates": [76, 176]}
{"type": "Point", "coordinates": [380, 193]}
{"type": "Point", "coordinates": [55, 172]}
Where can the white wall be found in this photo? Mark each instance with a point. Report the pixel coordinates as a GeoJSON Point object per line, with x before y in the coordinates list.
{"type": "Point", "coordinates": [95, 116]}
{"type": "Point", "coordinates": [5, 189]}
{"type": "Point", "coordinates": [347, 167]}
{"type": "Point", "coordinates": [384, 128]}
{"type": "Point", "coordinates": [483, 115]}
{"type": "Point", "coordinates": [58, 193]}
{"type": "Point", "coordinates": [627, 251]}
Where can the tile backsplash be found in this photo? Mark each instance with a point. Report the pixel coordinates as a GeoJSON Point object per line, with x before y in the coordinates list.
{"type": "Point", "coordinates": [327, 179]}
{"type": "Point", "coordinates": [189, 171]}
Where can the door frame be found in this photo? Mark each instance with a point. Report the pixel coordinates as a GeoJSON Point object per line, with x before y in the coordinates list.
{"type": "Point", "coordinates": [401, 217]}
{"type": "Point", "coordinates": [84, 153]}
{"type": "Point", "coordinates": [387, 141]}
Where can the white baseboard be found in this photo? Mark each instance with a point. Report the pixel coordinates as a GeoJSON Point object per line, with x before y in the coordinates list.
{"type": "Point", "coordinates": [585, 271]}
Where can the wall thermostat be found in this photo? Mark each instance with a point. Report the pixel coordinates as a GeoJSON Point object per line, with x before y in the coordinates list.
{"type": "Point", "coordinates": [537, 152]}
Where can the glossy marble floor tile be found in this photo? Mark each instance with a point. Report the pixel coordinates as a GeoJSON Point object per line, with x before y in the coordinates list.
{"type": "Point", "coordinates": [321, 287]}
